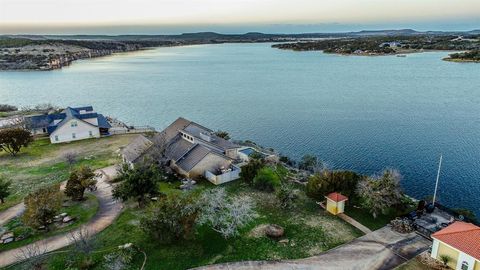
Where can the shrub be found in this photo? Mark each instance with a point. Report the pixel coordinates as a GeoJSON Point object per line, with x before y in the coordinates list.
{"type": "Point", "coordinates": [79, 180]}
{"type": "Point", "coordinates": [7, 108]}
{"type": "Point", "coordinates": [322, 183]}
{"type": "Point", "coordinates": [310, 163]}
{"type": "Point", "coordinates": [267, 179]}
{"type": "Point", "coordinates": [250, 170]}
{"type": "Point", "coordinates": [138, 183]}
{"type": "Point", "coordinates": [13, 139]}
{"type": "Point", "coordinates": [41, 206]}
{"type": "Point", "coordinates": [4, 188]}
{"type": "Point", "coordinates": [223, 134]}
{"type": "Point", "coordinates": [288, 161]}
{"type": "Point", "coordinates": [120, 259]}
{"type": "Point", "coordinates": [171, 218]}
{"type": "Point", "coordinates": [379, 193]}
{"type": "Point", "coordinates": [445, 259]}
{"type": "Point", "coordinates": [287, 196]}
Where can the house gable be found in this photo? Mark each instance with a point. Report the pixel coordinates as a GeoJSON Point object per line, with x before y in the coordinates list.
{"type": "Point", "coordinates": [74, 129]}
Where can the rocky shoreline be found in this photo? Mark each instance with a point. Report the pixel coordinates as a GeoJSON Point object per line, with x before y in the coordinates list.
{"type": "Point", "coordinates": [55, 56]}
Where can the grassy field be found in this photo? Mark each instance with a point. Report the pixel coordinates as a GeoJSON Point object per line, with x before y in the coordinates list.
{"type": "Point", "coordinates": [82, 211]}
{"type": "Point", "coordinates": [309, 230]}
{"type": "Point", "coordinates": [42, 163]}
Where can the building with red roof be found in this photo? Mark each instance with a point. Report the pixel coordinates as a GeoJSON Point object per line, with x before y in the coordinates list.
{"type": "Point", "coordinates": [460, 241]}
{"type": "Point", "coordinates": [336, 203]}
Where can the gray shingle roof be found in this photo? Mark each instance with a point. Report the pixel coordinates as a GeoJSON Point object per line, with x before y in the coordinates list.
{"type": "Point", "coordinates": [178, 147]}
{"type": "Point", "coordinates": [193, 157]}
{"type": "Point", "coordinates": [136, 148]}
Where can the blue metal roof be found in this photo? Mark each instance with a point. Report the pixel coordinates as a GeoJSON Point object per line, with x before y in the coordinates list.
{"type": "Point", "coordinates": [42, 121]}
{"type": "Point", "coordinates": [102, 122]}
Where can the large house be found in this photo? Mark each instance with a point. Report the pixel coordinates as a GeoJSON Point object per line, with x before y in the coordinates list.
{"type": "Point", "coordinates": [190, 149]}
{"type": "Point", "coordinates": [71, 124]}
{"type": "Point", "coordinates": [460, 242]}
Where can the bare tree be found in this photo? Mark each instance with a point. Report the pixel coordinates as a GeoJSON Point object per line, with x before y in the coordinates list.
{"type": "Point", "coordinates": [226, 215]}
{"type": "Point", "coordinates": [70, 158]}
{"type": "Point", "coordinates": [379, 193]}
{"type": "Point", "coordinates": [82, 241]}
{"type": "Point", "coordinates": [32, 255]}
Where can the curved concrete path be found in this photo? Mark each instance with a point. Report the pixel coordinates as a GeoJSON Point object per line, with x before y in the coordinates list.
{"type": "Point", "coordinates": [12, 212]}
{"type": "Point", "coordinates": [382, 249]}
{"type": "Point", "coordinates": [109, 209]}
{"type": "Point", "coordinates": [17, 210]}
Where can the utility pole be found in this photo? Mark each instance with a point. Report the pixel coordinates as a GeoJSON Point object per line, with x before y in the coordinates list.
{"type": "Point", "coordinates": [436, 183]}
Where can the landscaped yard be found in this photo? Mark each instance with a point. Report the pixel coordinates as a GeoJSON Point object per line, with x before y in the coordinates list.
{"type": "Point", "coordinates": [308, 229]}
{"type": "Point", "coordinates": [414, 264]}
{"type": "Point", "coordinates": [82, 211]}
{"type": "Point", "coordinates": [365, 218]}
{"type": "Point", "coordinates": [42, 163]}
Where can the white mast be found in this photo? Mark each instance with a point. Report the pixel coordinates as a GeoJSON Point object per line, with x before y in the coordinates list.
{"type": "Point", "coordinates": [438, 177]}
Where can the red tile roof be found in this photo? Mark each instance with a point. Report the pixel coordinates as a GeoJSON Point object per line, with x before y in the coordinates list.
{"type": "Point", "coordinates": [462, 236]}
{"type": "Point", "coordinates": [337, 197]}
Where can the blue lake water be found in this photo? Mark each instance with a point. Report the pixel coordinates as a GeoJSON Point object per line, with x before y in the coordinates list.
{"type": "Point", "coordinates": [359, 113]}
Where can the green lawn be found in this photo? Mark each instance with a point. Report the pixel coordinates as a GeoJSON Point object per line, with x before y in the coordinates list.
{"type": "Point", "coordinates": [365, 218]}
{"type": "Point", "coordinates": [309, 230]}
{"type": "Point", "coordinates": [42, 163]}
{"type": "Point", "coordinates": [83, 211]}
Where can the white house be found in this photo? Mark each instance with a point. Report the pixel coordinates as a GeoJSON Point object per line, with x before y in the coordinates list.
{"type": "Point", "coordinates": [72, 124]}
{"type": "Point", "coordinates": [460, 243]}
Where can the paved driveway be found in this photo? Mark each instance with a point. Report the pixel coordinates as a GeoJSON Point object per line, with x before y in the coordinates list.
{"type": "Point", "coordinates": [381, 249]}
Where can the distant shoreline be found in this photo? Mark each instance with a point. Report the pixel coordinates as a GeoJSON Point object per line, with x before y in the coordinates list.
{"type": "Point", "coordinates": [54, 52]}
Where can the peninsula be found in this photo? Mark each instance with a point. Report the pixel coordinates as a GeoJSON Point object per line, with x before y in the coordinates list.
{"type": "Point", "coordinates": [390, 45]}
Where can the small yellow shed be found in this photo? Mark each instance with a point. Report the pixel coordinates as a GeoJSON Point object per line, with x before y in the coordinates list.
{"type": "Point", "coordinates": [336, 203]}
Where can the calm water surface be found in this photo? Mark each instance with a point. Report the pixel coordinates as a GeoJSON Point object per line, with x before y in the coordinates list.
{"type": "Point", "coordinates": [359, 113]}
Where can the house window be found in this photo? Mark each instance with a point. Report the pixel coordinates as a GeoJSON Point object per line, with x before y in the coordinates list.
{"type": "Point", "coordinates": [74, 124]}
{"type": "Point", "coordinates": [464, 265]}
{"type": "Point", "coordinates": [44, 130]}
{"type": "Point", "coordinates": [74, 135]}
{"type": "Point", "coordinates": [90, 133]}
{"type": "Point", "coordinates": [56, 138]}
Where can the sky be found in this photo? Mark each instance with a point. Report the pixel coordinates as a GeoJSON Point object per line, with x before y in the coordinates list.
{"type": "Point", "coordinates": [232, 16]}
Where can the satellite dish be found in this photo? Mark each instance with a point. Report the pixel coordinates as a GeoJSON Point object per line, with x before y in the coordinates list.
{"type": "Point", "coordinates": [461, 217]}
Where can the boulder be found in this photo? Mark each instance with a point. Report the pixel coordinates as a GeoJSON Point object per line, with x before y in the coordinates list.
{"type": "Point", "coordinates": [8, 240]}
{"type": "Point", "coordinates": [63, 215]}
{"type": "Point", "coordinates": [6, 236]}
{"type": "Point", "coordinates": [274, 231]}
{"type": "Point", "coordinates": [284, 241]}
{"type": "Point", "coordinates": [68, 219]}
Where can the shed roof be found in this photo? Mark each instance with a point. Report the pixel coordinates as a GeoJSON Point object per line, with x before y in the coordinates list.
{"type": "Point", "coordinates": [462, 236]}
{"type": "Point", "coordinates": [336, 197]}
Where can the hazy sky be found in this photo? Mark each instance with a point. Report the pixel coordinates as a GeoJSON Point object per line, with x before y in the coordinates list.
{"type": "Point", "coordinates": [50, 16]}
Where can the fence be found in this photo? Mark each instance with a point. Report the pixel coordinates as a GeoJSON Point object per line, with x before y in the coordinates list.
{"type": "Point", "coordinates": [132, 130]}
{"type": "Point", "coordinates": [224, 177]}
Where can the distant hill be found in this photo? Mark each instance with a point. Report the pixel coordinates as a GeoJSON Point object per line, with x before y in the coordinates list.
{"type": "Point", "coordinates": [247, 36]}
